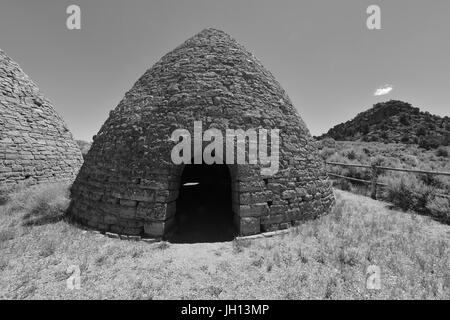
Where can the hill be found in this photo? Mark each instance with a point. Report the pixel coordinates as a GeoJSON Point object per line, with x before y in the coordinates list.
{"type": "Point", "coordinates": [394, 122]}
{"type": "Point", "coordinates": [84, 146]}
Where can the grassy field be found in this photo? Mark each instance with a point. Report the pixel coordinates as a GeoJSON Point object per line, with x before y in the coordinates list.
{"type": "Point", "coordinates": [322, 259]}
{"type": "Point", "coordinates": [407, 191]}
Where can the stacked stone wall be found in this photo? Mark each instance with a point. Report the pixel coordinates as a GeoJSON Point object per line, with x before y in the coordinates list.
{"type": "Point", "coordinates": [35, 144]}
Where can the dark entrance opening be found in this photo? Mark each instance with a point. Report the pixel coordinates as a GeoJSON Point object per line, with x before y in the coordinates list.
{"type": "Point", "coordinates": [204, 211]}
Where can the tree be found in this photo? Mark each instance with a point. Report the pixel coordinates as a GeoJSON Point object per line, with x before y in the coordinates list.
{"type": "Point", "coordinates": [405, 138]}
{"type": "Point", "coordinates": [365, 128]}
{"type": "Point", "coordinates": [404, 119]}
{"type": "Point", "coordinates": [421, 131]}
{"type": "Point", "coordinates": [429, 142]}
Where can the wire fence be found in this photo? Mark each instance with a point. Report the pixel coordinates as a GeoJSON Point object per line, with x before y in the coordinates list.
{"type": "Point", "coordinates": [375, 171]}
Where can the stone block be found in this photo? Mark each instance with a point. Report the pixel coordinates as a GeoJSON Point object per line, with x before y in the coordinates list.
{"type": "Point", "coordinates": [255, 197]}
{"type": "Point", "coordinates": [273, 219]}
{"type": "Point", "coordinates": [118, 210]}
{"type": "Point", "coordinates": [156, 211]}
{"type": "Point", "coordinates": [157, 228]}
{"type": "Point", "coordinates": [163, 196]}
{"type": "Point", "coordinates": [248, 225]}
{"type": "Point", "coordinates": [130, 231]}
{"type": "Point", "coordinates": [163, 184]}
{"type": "Point", "coordinates": [109, 219]}
{"type": "Point", "coordinates": [288, 194]}
{"type": "Point", "coordinates": [250, 186]}
{"type": "Point", "coordinates": [136, 195]}
{"type": "Point", "coordinates": [116, 229]}
{"type": "Point", "coordinates": [253, 210]}
{"type": "Point", "coordinates": [112, 235]}
{"type": "Point", "coordinates": [277, 209]}
{"type": "Point", "coordinates": [128, 203]}
{"type": "Point", "coordinates": [269, 227]}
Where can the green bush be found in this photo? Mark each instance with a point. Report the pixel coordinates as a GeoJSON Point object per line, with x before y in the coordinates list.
{"type": "Point", "coordinates": [326, 152]}
{"type": "Point", "coordinates": [429, 142]}
{"type": "Point", "coordinates": [431, 180]}
{"type": "Point", "coordinates": [345, 185]}
{"type": "Point", "coordinates": [351, 155]}
{"type": "Point", "coordinates": [6, 192]}
{"type": "Point", "coordinates": [365, 128]}
{"type": "Point", "coordinates": [329, 143]}
{"type": "Point", "coordinates": [4, 195]}
{"type": "Point", "coordinates": [5, 235]}
{"type": "Point", "coordinates": [439, 207]}
{"type": "Point", "coordinates": [400, 194]}
{"type": "Point", "coordinates": [409, 193]}
{"type": "Point", "coordinates": [421, 131]}
{"type": "Point", "coordinates": [405, 139]}
{"type": "Point", "coordinates": [404, 119]}
{"type": "Point", "coordinates": [378, 161]}
{"type": "Point", "coordinates": [442, 152]}
{"type": "Point", "coordinates": [9, 192]}
{"type": "Point", "coordinates": [40, 204]}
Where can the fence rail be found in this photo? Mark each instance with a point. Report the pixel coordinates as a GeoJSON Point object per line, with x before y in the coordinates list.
{"type": "Point", "coordinates": [375, 172]}
{"type": "Point", "coordinates": [388, 168]}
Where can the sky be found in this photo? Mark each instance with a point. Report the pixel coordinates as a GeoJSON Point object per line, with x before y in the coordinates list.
{"type": "Point", "coordinates": [330, 64]}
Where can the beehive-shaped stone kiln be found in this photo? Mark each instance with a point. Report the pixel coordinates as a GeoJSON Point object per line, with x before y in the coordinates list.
{"type": "Point", "coordinates": [129, 184]}
{"type": "Point", "coordinates": [35, 144]}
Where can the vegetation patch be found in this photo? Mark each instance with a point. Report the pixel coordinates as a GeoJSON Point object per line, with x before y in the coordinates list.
{"type": "Point", "coordinates": [407, 191]}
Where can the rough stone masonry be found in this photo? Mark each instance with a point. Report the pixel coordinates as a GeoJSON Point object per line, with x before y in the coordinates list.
{"type": "Point", "coordinates": [128, 183]}
{"type": "Point", "coordinates": [35, 144]}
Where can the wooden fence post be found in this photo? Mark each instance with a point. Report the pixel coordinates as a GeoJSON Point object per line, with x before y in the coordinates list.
{"type": "Point", "coordinates": [373, 187]}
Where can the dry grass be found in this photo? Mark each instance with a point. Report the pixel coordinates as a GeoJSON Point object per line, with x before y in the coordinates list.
{"type": "Point", "coordinates": [322, 259]}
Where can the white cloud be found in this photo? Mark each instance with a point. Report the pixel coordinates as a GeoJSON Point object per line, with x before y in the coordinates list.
{"type": "Point", "coordinates": [383, 90]}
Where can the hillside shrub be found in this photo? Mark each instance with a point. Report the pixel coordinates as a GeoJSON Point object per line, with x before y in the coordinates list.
{"type": "Point", "coordinates": [429, 142]}
{"type": "Point", "coordinates": [442, 152]}
{"type": "Point", "coordinates": [84, 147]}
{"type": "Point", "coordinates": [404, 119]}
{"type": "Point", "coordinates": [409, 193]}
{"type": "Point", "coordinates": [343, 184]}
{"type": "Point", "coordinates": [40, 204]}
{"type": "Point", "coordinates": [351, 155]}
{"type": "Point", "coordinates": [409, 160]}
{"type": "Point", "coordinates": [365, 128]}
{"type": "Point", "coordinates": [4, 195]}
{"type": "Point", "coordinates": [328, 143]}
{"type": "Point", "coordinates": [439, 207]}
{"type": "Point", "coordinates": [6, 192]}
{"type": "Point", "coordinates": [445, 141]}
{"type": "Point", "coordinates": [378, 161]}
{"type": "Point", "coordinates": [405, 139]}
{"type": "Point", "coordinates": [421, 131]}
{"type": "Point", "coordinates": [326, 152]}
{"type": "Point", "coordinates": [431, 180]}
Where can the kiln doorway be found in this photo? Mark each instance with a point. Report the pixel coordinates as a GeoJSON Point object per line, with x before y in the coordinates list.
{"type": "Point", "coordinates": [204, 206]}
